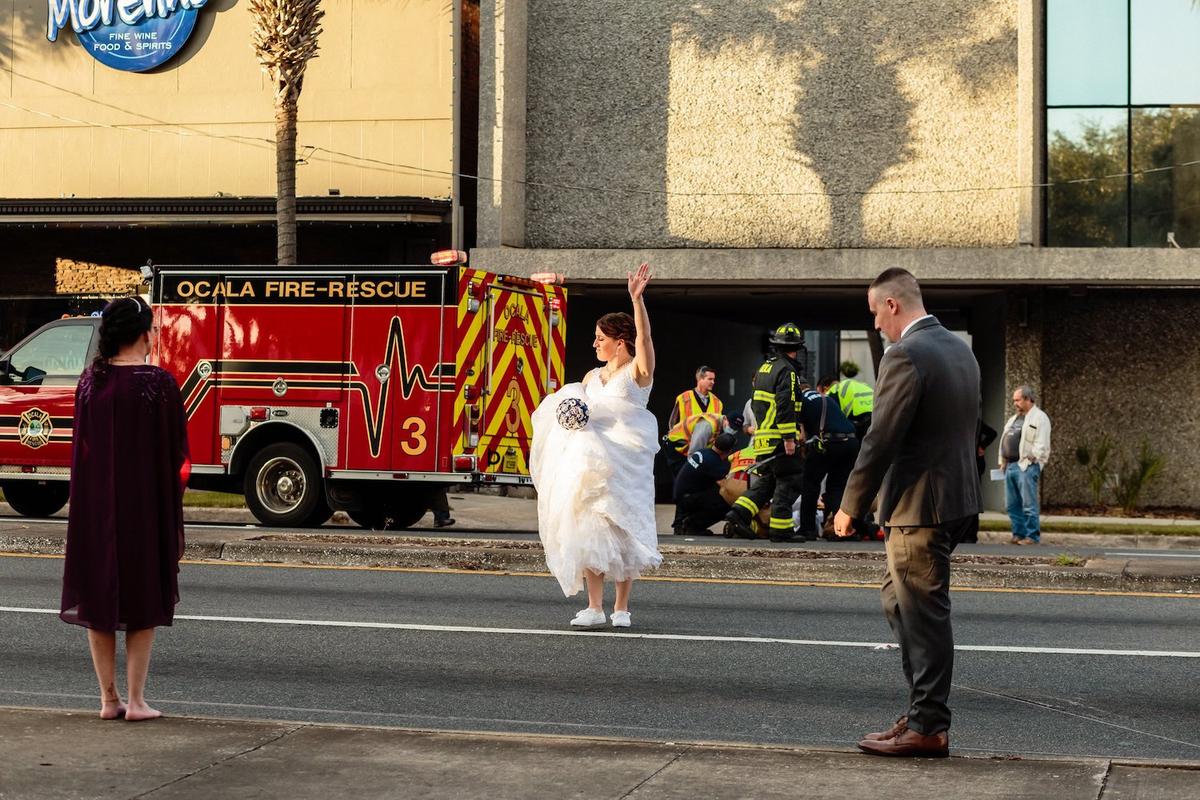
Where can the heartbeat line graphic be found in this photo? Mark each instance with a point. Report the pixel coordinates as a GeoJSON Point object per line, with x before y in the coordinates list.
{"type": "Point", "coordinates": [208, 374]}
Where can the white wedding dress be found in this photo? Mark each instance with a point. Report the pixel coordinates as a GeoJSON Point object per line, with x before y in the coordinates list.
{"type": "Point", "coordinates": [596, 485]}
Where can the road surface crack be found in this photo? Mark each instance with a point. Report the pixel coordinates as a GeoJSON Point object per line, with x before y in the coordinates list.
{"type": "Point", "coordinates": [656, 772]}
{"type": "Point", "coordinates": [1104, 779]}
{"type": "Point", "coordinates": [1087, 717]}
{"type": "Point", "coordinates": [230, 757]}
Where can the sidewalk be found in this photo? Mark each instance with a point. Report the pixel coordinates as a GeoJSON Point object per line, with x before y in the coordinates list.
{"type": "Point", "coordinates": [52, 754]}
{"type": "Point", "coordinates": [499, 534]}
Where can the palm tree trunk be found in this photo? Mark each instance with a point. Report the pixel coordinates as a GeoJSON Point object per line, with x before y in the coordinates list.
{"type": "Point", "coordinates": [285, 179]}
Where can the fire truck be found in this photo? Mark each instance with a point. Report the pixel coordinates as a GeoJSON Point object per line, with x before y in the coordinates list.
{"type": "Point", "coordinates": [309, 390]}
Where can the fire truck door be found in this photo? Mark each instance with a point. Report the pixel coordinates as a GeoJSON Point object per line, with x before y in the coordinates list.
{"type": "Point", "coordinates": [37, 394]}
{"type": "Point", "coordinates": [396, 353]}
{"type": "Point", "coordinates": [518, 376]}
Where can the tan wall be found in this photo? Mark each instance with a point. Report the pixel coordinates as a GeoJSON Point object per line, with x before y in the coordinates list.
{"type": "Point", "coordinates": [730, 124]}
{"type": "Point", "coordinates": [1123, 363]}
{"type": "Point", "coordinates": [380, 88]}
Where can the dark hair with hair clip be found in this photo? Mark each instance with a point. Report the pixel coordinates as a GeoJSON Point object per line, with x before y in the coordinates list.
{"type": "Point", "coordinates": [123, 322]}
{"type": "Point", "coordinates": [619, 325]}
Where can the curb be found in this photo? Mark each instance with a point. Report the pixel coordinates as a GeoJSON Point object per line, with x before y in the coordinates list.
{"type": "Point", "coordinates": [686, 563]}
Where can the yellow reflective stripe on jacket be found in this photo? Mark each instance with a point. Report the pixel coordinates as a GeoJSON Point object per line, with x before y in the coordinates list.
{"type": "Point", "coordinates": [748, 504]}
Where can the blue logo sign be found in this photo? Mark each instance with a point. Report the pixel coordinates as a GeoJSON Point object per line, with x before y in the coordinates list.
{"type": "Point", "coordinates": [130, 35]}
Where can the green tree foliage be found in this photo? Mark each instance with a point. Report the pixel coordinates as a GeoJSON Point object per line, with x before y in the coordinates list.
{"type": "Point", "coordinates": [1093, 213]}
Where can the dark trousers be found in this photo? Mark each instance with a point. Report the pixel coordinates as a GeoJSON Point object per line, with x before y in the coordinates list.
{"type": "Point", "coordinates": [779, 483]}
{"type": "Point", "coordinates": [439, 504]}
{"type": "Point", "coordinates": [916, 600]}
{"type": "Point", "coordinates": [701, 509]}
{"type": "Point", "coordinates": [835, 462]}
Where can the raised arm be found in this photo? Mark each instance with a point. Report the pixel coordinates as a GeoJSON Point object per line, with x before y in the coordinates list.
{"type": "Point", "coordinates": [643, 360]}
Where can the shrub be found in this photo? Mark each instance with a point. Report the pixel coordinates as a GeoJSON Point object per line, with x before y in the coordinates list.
{"type": "Point", "coordinates": [1132, 478]}
{"type": "Point", "coordinates": [1096, 465]}
{"type": "Point", "coordinates": [848, 368]}
{"type": "Point", "coordinates": [1126, 481]}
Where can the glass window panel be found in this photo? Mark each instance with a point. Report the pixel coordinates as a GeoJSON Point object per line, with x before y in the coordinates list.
{"type": "Point", "coordinates": [1167, 201]}
{"type": "Point", "coordinates": [1165, 41]}
{"type": "Point", "coordinates": [1086, 52]}
{"type": "Point", "coordinates": [58, 351]}
{"type": "Point", "coordinates": [1086, 143]}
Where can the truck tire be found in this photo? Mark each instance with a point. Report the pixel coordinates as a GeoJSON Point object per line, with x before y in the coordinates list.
{"type": "Point", "coordinates": [321, 514]}
{"type": "Point", "coordinates": [283, 486]}
{"type": "Point", "coordinates": [36, 498]}
{"type": "Point", "coordinates": [392, 510]}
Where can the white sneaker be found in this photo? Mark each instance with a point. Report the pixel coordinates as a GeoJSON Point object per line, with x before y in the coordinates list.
{"type": "Point", "coordinates": [620, 619]}
{"type": "Point", "coordinates": [588, 618]}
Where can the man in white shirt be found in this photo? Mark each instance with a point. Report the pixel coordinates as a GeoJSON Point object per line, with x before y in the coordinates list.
{"type": "Point", "coordinates": [1024, 452]}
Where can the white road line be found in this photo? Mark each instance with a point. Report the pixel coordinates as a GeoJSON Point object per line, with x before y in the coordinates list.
{"type": "Point", "coordinates": [1149, 554]}
{"type": "Point", "coordinates": [674, 637]}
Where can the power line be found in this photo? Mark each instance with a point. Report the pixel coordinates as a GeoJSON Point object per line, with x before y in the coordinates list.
{"type": "Point", "coordinates": [381, 165]}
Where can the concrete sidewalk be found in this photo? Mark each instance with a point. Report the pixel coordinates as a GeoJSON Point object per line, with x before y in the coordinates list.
{"type": "Point", "coordinates": [53, 754]}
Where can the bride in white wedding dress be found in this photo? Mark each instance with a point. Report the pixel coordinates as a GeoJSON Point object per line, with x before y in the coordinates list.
{"type": "Point", "coordinates": [592, 462]}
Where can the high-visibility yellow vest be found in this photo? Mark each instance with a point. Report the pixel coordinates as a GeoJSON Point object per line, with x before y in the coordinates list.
{"type": "Point", "coordinates": [854, 397]}
{"type": "Point", "coordinates": [687, 405]}
{"type": "Point", "coordinates": [680, 436]}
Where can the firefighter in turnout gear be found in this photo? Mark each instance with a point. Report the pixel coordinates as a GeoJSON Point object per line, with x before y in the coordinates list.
{"type": "Point", "coordinates": [778, 457]}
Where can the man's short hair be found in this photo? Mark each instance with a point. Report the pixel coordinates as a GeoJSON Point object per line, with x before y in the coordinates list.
{"type": "Point", "coordinates": [1027, 392]}
{"type": "Point", "coordinates": [725, 442]}
{"type": "Point", "coordinates": [825, 382]}
{"type": "Point", "coordinates": [898, 283]}
{"type": "Point", "coordinates": [703, 369]}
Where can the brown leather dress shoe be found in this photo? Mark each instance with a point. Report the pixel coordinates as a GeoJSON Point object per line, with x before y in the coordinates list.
{"type": "Point", "coordinates": [909, 744]}
{"type": "Point", "coordinates": [899, 727]}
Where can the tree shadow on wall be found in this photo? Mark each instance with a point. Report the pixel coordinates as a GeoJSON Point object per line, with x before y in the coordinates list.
{"type": "Point", "coordinates": [599, 103]}
{"type": "Point", "coordinates": [853, 119]}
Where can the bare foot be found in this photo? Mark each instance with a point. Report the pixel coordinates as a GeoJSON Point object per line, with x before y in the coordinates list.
{"type": "Point", "coordinates": [138, 712]}
{"type": "Point", "coordinates": [112, 710]}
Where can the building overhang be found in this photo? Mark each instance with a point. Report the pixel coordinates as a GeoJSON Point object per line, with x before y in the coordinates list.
{"type": "Point", "coordinates": [1010, 266]}
{"type": "Point", "coordinates": [217, 211]}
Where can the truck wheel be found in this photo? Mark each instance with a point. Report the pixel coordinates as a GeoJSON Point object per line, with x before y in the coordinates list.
{"type": "Point", "coordinates": [283, 485]}
{"type": "Point", "coordinates": [392, 510]}
{"type": "Point", "coordinates": [36, 498]}
{"type": "Point", "coordinates": [321, 514]}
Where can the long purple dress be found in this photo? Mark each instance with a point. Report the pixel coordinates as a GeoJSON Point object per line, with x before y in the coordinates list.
{"type": "Point", "coordinates": [125, 529]}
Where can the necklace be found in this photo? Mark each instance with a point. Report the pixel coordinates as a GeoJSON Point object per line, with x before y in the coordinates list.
{"type": "Point", "coordinates": [608, 370]}
{"type": "Point", "coordinates": [125, 362]}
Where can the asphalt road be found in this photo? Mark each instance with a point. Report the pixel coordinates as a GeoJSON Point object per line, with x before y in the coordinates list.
{"type": "Point", "coordinates": [727, 662]}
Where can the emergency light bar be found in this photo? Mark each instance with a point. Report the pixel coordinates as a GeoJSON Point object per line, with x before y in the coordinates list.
{"type": "Point", "coordinates": [448, 258]}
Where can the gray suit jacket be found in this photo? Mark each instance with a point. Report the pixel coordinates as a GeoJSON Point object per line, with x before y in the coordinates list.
{"type": "Point", "coordinates": [921, 444]}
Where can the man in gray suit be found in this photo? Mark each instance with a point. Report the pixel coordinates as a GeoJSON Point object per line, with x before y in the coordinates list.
{"type": "Point", "coordinates": [921, 450]}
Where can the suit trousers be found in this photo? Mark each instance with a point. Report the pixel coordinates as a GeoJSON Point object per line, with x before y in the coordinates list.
{"type": "Point", "coordinates": [916, 601]}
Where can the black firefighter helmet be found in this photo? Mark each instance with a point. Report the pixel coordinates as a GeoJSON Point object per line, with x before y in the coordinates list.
{"type": "Point", "coordinates": [787, 337]}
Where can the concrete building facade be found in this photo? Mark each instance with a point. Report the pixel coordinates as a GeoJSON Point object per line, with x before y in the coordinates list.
{"type": "Point", "coordinates": [770, 157]}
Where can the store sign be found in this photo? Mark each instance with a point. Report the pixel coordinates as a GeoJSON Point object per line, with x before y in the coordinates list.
{"type": "Point", "coordinates": [130, 35]}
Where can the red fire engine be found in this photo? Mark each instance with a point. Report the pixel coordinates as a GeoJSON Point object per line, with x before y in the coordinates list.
{"type": "Point", "coordinates": [314, 389]}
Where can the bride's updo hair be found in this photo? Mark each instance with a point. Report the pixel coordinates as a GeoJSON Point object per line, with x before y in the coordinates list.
{"type": "Point", "coordinates": [123, 322]}
{"type": "Point", "coordinates": [619, 325]}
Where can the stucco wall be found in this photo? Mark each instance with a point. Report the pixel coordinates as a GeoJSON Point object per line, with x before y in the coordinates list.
{"type": "Point", "coordinates": [701, 123]}
{"type": "Point", "coordinates": [1123, 363]}
{"type": "Point", "coordinates": [380, 88]}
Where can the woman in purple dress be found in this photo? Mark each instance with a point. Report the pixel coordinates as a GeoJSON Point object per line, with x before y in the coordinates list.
{"type": "Point", "coordinates": [125, 530]}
